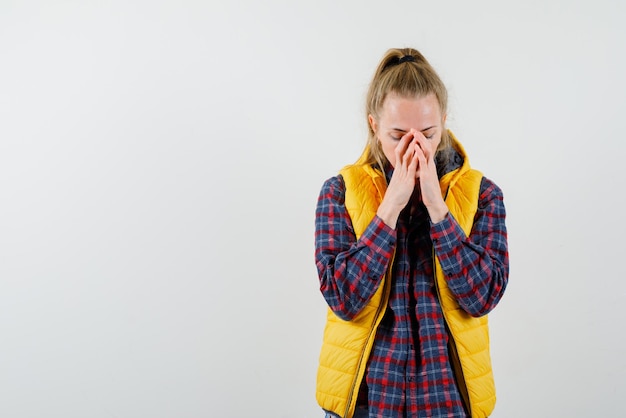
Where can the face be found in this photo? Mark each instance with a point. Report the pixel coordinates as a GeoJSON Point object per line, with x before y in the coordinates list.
{"type": "Point", "coordinates": [400, 114]}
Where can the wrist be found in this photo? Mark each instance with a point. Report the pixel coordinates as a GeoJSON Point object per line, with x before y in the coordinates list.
{"type": "Point", "coordinates": [389, 214]}
{"type": "Point", "coordinates": [438, 213]}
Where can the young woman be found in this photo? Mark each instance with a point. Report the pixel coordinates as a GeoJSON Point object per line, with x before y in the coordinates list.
{"type": "Point", "coordinates": [411, 250]}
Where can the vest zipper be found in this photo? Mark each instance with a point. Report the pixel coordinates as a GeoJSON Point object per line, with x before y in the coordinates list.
{"type": "Point", "coordinates": [363, 363]}
{"type": "Point", "coordinates": [455, 360]}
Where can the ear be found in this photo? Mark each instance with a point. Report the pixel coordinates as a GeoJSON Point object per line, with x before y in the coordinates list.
{"type": "Point", "coordinates": [443, 119]}
{"type": "Point", "coordinates": [373, 123]}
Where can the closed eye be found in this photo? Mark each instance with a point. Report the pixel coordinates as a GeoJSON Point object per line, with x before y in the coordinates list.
{"type": "Point", "coordinates": [430, 130]}
{"type": "Point", "coordinates": [397, 134]}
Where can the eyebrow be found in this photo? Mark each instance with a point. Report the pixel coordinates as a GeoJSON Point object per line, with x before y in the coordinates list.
{"type": "Point", "coordinates": [423, 130]}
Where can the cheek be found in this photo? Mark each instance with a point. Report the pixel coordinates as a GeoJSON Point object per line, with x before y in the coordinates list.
{"type": "Point", "coordinates": [436, 142]}
{"type": "Point", "coordinates": [390, 152]}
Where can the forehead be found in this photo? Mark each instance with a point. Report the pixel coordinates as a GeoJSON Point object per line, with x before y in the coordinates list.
{"type": "Point", "coordinates": [410, 112]}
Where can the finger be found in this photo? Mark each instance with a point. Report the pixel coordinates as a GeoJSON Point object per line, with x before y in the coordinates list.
{"type": "Point", "coordinates": [409, 153]}
{"type": "Point", "coordinates": [425, 145]}
{"type": "Point", "coordinates": [414, 163]}
{"type": "Point", "coordinates": [403, 147]}
{"type": "Point", "coordinates": [399, 156]}
{"type": "Point", "coordinates": [419, 151]}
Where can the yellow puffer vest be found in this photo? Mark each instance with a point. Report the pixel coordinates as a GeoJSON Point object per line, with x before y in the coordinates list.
{"type": "Point", "coordinates": [347, 344]}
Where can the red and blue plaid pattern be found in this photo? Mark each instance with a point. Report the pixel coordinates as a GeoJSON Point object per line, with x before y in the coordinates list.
{"type": "Point", "coordinates": [408, 372]}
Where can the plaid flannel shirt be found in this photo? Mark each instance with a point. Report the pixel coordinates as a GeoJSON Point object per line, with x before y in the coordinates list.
{"type": "Point", "coordinates": [409, 373]}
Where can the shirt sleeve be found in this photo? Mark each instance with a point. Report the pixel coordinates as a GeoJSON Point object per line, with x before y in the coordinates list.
{"type": "Point", "coordinates": [476, 267]}
{"type": "Point", "coordinates": [350, 270]}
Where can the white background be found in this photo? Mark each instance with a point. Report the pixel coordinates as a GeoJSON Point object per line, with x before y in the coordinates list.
{"type": "Point", "coordinates": [160, 164]}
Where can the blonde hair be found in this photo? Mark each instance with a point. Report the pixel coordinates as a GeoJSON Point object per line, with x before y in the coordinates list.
{"type": "Point", "coordinates": [406, 73]}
